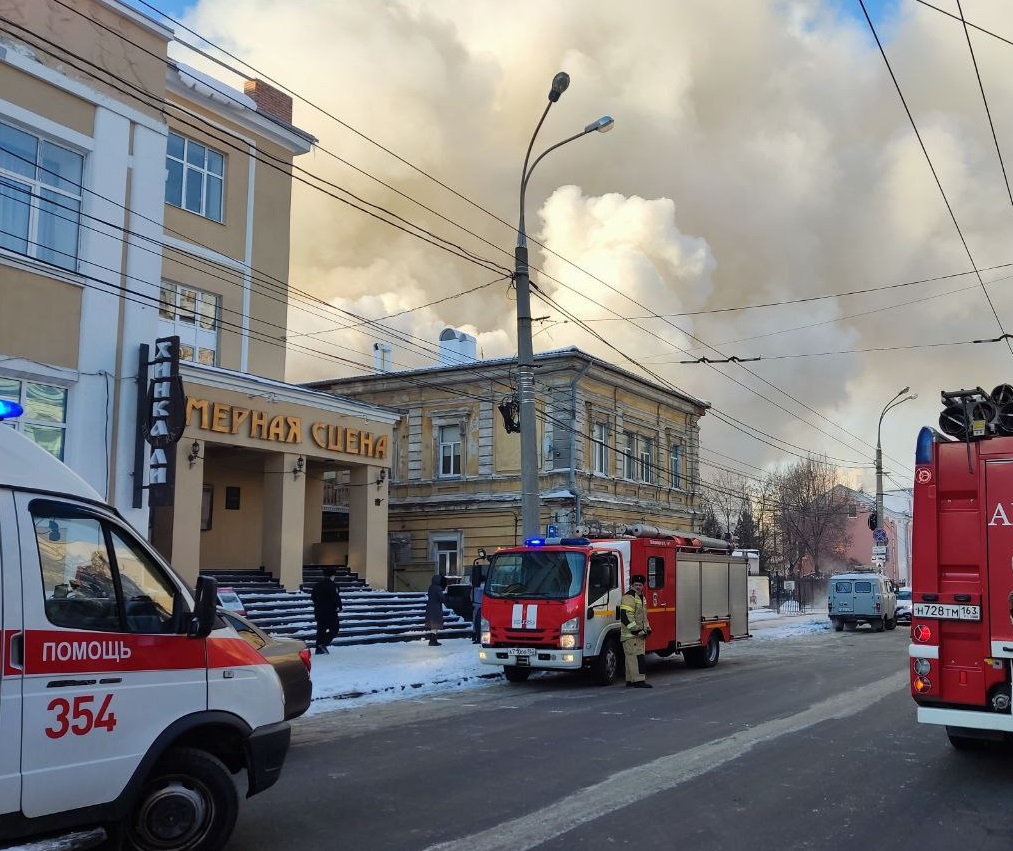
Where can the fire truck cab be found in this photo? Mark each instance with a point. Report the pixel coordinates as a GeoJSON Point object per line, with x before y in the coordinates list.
{"type": "Point", "coordinates": [126, 705]}
{"type": "Point", "coordinates": [553, 604]}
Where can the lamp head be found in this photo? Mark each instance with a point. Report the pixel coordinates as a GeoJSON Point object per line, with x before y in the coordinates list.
{"type": "Point", "coordinates": [905, 390]}
{"type": "Point", "coordinates": [560, 83]}
{"type": "Point", "coordinates": [602, 125]}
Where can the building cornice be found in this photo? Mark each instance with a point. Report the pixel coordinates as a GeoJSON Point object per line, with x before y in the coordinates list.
{"type": "Point", "coordinates": [280, 391]}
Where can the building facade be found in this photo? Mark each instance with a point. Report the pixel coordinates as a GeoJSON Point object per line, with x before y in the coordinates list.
{"type": "Point", "coordinates": [143, 201]}
{"type": "Point", "coordinates": [616, 451]}
{"type": "Point", "coordinates": [898, 516]}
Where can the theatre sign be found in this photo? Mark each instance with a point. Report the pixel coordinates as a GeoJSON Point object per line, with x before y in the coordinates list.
{"type": "Point", "coordinates": [305, 434]}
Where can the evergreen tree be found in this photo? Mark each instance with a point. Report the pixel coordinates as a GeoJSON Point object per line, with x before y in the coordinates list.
{"type": "Point", "coordinates": [710, 526]}
{"type": "Point", "coordinates": [745, 530]}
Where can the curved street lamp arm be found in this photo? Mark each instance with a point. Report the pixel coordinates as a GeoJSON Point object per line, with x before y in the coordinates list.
{"type": "Point", "coordinates": [526, 173]}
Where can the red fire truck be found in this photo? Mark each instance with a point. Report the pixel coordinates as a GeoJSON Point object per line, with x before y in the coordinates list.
{"type": "Point", "coordinates": [553, 604]}
{"type": "Point", "coordinates": [962, 568]}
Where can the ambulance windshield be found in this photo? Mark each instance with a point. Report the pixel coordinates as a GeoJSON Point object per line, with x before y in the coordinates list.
{"type": "Point", "coordinates": [541, 574]}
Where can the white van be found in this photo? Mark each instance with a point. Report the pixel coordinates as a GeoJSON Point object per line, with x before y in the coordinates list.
{"type": "Point", "coordinates": [854, 599]}
{"type": "Point", "coordinates": [126, 705]}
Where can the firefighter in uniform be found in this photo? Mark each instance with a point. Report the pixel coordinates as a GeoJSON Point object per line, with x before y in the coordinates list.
{"type": "Point", "coordinates": [635, 629]}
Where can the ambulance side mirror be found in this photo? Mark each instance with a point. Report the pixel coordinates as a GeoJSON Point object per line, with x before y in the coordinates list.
{"type": "Point", "coordinates": [204, 609]}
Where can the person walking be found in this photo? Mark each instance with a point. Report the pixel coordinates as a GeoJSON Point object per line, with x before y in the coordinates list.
{"type": "Point", "coordinates": [635, 629]}
{"type": "Point", "coordinates": [434, 608]}
{"type": "Point", "coordinates": [326, 599]}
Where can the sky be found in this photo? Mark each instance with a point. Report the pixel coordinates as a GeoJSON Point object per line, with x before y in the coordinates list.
{"type": "Point", "coordinates": [360, 675]}
{"type": "Point", "coordinates": [768, 191]}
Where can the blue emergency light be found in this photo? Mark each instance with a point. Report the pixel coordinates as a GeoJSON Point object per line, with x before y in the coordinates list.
{"type": "Point", "coordinates": [9, 409]}
{"type": "Point", "coordinates": [923, 446]}
{"type": "Point", "coordinates": [534, 542]}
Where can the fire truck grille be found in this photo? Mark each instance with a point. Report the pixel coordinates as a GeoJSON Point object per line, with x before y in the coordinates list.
{"type": "Point", "coordinates": [525, 637]}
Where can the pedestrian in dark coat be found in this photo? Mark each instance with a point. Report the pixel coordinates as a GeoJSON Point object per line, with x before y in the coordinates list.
{"type": "Point", "coordinates": [326, 604]}
{"type": "Point", "coordinates": [434, 608]}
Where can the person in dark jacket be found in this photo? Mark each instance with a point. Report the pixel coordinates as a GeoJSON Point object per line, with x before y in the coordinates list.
{"type": "Point", "coordinates": [326, 605]}
{"type": "Point", "coordinates": [434, 608]}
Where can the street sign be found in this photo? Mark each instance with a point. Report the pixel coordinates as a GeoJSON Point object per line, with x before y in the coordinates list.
{"type": "Point", "coordinates": [789, 584]}
{"type": "Point", "coordinates": [878, 550]}
{"type": "Point", "coordinates": [879, 536]}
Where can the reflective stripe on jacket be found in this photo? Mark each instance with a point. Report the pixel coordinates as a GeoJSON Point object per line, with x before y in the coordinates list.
{"type": "Point", "coordinates": [632, 612]}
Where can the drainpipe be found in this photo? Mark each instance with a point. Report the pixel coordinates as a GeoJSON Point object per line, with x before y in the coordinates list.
{"type": "Point", "coordinates": [572, 475]}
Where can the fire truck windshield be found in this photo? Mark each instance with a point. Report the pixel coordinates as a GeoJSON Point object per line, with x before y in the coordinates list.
{"type": "Point", "coordinates": [542, 573]}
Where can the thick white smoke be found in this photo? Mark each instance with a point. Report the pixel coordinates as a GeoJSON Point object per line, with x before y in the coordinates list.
{"type": "Point", "coordinates": [760, 154]}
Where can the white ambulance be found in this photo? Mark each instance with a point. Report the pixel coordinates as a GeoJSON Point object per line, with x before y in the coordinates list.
{"type": "Point", "coordinates": [126, 704]}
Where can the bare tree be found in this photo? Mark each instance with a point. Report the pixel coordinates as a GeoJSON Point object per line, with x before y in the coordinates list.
{"type": "Point", "coordinates": [812, 513]}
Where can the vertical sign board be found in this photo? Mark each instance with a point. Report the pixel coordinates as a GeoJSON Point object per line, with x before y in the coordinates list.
{"type": "Point", "coordinates": [164, 419]}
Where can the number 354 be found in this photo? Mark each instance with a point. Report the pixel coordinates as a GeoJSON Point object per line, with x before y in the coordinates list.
{"type": "Point", "coordinates": [78, 717]}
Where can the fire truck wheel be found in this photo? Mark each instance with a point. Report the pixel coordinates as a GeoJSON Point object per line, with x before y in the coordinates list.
{"type": "Point", "coordinates": [605, 667]}
{"type": "Point", "coordinates": [515, 674]}
{"type": "Point", "coordinates": [188, 803]}
{"type": "Point", "coordinates": [704, 657]}
{"type": "Point", "coordinates": [964, 743]}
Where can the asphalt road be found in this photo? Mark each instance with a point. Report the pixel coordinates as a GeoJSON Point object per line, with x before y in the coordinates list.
{"type": "Point", "coordinates": [805, 743]}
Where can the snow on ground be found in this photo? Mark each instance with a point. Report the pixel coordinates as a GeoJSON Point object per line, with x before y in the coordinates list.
{"type": "Point", "coordinates": [362, 674]}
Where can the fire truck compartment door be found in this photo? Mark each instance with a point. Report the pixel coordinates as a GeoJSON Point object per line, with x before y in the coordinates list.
{"type": "Point", "coordinates": [999, 543]}
{"type": "Point", "coordinates": [10, 683]}
{"type": "Point", "coordinates": [101, 681]}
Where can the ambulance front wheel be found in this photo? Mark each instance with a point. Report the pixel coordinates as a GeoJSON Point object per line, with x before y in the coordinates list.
{"type": "Point", "coordinates": [515, 674]}
{"type": "Point", "coordinates": [189, 803]}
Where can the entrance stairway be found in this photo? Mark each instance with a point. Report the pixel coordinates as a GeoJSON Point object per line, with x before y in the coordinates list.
{"type": "Point", "coordinates": [367, 616]}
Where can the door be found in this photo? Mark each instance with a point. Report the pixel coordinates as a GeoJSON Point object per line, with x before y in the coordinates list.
{"type": "Point", "coordinates": [660, 596]}
{"type": "Point", "coordinates": [105, 668]}
{"type": "Point", "coordinates": [602, 596]}
{"type": "Point", "coordinates": [10, 651]}
{"type": "Point", "coordinates": [999, 552]}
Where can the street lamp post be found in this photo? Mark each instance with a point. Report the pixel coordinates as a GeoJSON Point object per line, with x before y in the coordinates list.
{"type": "Point", "coordinates": [530, 521]}
{"type": "Point", "coordinates": [893, 403]}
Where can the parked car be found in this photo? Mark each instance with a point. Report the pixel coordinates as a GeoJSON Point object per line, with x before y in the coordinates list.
{"type": "Point", "coordinates": [458, 599]}
{"type": "Point", "coordinates": [904, 605]}
{"type": "Point", "coordinates": [289, 656]}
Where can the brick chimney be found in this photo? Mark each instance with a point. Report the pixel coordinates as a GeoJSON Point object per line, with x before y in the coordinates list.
{"type": "Point", "coordinates": [269, 100]}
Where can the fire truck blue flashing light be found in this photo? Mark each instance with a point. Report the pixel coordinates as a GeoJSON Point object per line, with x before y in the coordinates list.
{"type": "Point", "coordinates": [9, 410]}
{"type": "Point", "coordinates": [923, 447]}
{"type": "Point", "coordinates": [575, 542]}
{"type": "Point", "coordinates": [534, 542]}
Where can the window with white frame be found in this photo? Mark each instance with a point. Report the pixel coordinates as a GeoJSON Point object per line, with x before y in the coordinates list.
{"type": "Point", "coordinates": [45, 418]}
{"type": "Point", "coordinates": [193, 315]}
{"type": "Point", "coordinates": [646, 445]}
{"type": "Point", "coordinates": [450, 450]}
{"type": "Point", "coordinates": [629, 455]}
{"type": "Point", "coordinates": [601, 448]}
{"type": "Point", "coordinates": [447, 555]}
{"type": "Point", "coordinates": [675, 466]}
{"type": "Point", "coordinates": [194, 177]}
{"type": "Point", "coordinates": [40, 197]}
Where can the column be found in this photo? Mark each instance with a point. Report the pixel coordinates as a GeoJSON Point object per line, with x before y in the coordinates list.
{"type": "Point", "coordinates": [284, 517]}
{"type": "Point", "coordinates": [187, 494]}
{"type": "Point", "coordinates": [367, 526]}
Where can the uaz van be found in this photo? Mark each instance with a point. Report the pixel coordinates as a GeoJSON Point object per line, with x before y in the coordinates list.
{"type": "Point", "coordinates": [858, 598]}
